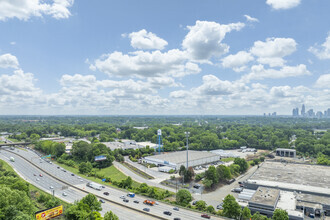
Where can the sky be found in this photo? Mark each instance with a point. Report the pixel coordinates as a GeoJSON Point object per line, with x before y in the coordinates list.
{"type": "Point", "coordinates": [147, 57]}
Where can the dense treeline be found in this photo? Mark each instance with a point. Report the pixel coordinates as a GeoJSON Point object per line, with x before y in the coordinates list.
{"type": "Point", "coordinates": [206, 133]}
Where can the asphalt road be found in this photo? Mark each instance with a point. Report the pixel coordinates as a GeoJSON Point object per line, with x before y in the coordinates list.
{"type": "Point", "coordinates": [123, 212]}
{"type": "Point", "coordinates": [31, 174]}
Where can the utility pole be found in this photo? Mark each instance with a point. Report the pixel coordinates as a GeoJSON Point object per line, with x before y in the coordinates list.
{"type": "Point", "coordinates": [187, 136]}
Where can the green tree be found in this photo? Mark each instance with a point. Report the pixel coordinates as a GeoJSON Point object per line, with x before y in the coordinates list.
{"type": "Point", "coordinates": [91, 201]}
{"type": "Point", "coordinates": [110, 216]}
{"type": "Point", "coordinates": [211, 174]}
{"type": "Point", "coordinates": [231, 208]}
{"type": "Point", "coordinates": [258, 216]}
{"type": "Point", "coordinates": [182, 170]}
{"type": "Point", "coordinates": [243, 165]}
{"type": "Point", "coordinates": [201, 205]}
{"type": "Point", "coordinates": [210, 209]}
{"type": "Point", "coordinates": [280, 214]}
{"type": "Point", "coordinates": [223, 172]}
{"type": "Point", "coordinates": [246, 214]}
{"type": "Point", "coordinates": [183, 197]}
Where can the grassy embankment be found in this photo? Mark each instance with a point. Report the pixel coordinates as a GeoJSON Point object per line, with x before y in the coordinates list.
{"type": "Point", "coordinates": [34, 192]}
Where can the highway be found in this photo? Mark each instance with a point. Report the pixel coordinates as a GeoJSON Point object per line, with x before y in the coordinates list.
{"type": "Point", "coordinates": [123, 210]}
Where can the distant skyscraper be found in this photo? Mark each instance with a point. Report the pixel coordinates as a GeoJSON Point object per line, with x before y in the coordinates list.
{"type": "Point", "coordinates": [303, 110]}
{"type": "Point", "coordinates": [295, 112]}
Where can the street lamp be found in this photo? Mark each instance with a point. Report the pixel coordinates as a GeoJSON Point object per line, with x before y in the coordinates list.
{"type": "Point", "coordinates": [187, 136]}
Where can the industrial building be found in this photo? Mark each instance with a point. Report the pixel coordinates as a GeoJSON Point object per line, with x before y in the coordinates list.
{"type": "Point", "coordinates": [174, 160]}
{"type": "Point", "coordinates": [282, 152]}
{"type": "Point", "coordinates": [300, 186]}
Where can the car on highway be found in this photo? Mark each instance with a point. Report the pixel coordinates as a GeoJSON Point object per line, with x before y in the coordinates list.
{"type": "Point", "coordinates": [51, 187]}
{"type": "Point", "coordinates": [64, 194]}
{"type": "Point", "coordinates": [37, 179]}
{"type": "Point", "coordinates": [125, 200]}
{"type": "Point", "coordinates": [136, 201]}
{"type": "Point", "coordinates": [58, 167]}
{"type": "Point", "coordinates": [102, 201]}
{"type": "Point", "coordinates": [167, 213]}
{"type": "Point", "coordinates": [205, 216]}
{"type": "Point", "coordinates": [146, 209]}
{"type": "Point", "coordinates": [72, 174]}
{"type": "Point", "coordinates": [40, 175]}
{"type": "Point", "coordinates": [122, 197]}
{"type": "Point", "coordinates": [106, 193]}
{"type": "Point", "coordinates": [176, 208]}
{"type": "Point", "coordinates": [34, 174]}
{"type": "Point", "coordinates": [177, 218]}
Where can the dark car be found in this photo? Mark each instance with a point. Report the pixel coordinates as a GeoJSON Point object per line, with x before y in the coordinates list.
{"type": "Point", "coordinates": [177, 219]}
{"type": "Point", "coordinates": [125, 200]}
{"type": "Point", "coordinates": [220, 206]}
{"type": "Point", "coordinates": [146, 209]}
{"type": "Point", "coordinates": [135, 201]}
{"type": "Point", "coordinates": [72, 174]}
{"type": "Point", "coordinates": [58, 167]}
{"type": "Point", "coordinates": [176, 208]}
{"type": "Point", "coordinates": [194, 202]}
{"type": "Point", "coordinates": [167, 213]}
{"type": "Point", "coordinates": [34, 174]}
{"type": "Point", "coordinates": [197, 186]}
{"type": "Point", "coordinates": [106, 193]}
{"type": "Point", "coordinates": [205, 216]}
{"type": "Point", "coordinates": [102, 201]}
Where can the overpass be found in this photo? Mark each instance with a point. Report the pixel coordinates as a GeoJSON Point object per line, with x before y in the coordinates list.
{"type": "Point", "coordinates": [13, 144]}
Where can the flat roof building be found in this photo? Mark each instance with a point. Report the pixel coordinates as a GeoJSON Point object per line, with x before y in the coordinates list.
{"type": "Point", "coordinates": [282, 152]}
{"type": "Point", "coordinates": [178, 158]}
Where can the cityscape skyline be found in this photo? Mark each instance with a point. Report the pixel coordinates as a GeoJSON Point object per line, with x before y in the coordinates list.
{"type": "Point", "coordinates": [310, 112]}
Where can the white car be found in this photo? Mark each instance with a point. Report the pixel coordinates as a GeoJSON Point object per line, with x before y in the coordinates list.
{"type": "Point", "coordinates": [64, 194]}
{"type": "Point", "coordinates": [122, 197]}
{"type": "Point", "coordinates": [51, 187]}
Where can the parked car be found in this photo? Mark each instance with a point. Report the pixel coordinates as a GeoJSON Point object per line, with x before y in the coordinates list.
{"type": "Point", "coordinates": [194, 202]}
{"type": "Point", "coordinates": [34, 174]}
{"type": "Point", "coordinates": [220, 206]}
{"type": "Point", "coordinates": [102, 201]}
{"type": "Point", "coordinates": [167, 213]}
{"type": "Point", "coordinates": [106, 193]}
{"type": "Point", "coordinates": [64, 194]}
{"type": "Point", "coordinates": [205, 216]}
{"type": "Point", "coordinates": [146, 209]}
{"type": "Point", "coordinates": [197, 186]}
{"type": "Point", "coordinates": [238, 190]}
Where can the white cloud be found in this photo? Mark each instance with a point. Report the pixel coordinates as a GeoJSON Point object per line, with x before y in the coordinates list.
{"type": "Point", "coordinates": [251, 19]}
{"type": "Point", "coordinates": [283, 4]}
{"type": "Point", "coordinates": [237, 61]}
{"type": "Point", "coordinates": [258, 72]}
{"type": "Point", "coordinates": [322, 52]}
{"type": "Point", "coordinates": [13, 43]}
{"type": "Point", "coordinates": [25, 9]}
{"type": "Point", "coordinates": [146, 40]}
{"type": "Point", "coordinates": [204, 39]}
{"type": "Point", "coordinates": [18, 87]}
{"type": "Point", "coordinates": [323, 81]}
{"type": "Point", "coordinates": [8, 61]}
{"type": "Point", "coordinates": [273, 50]}
{"type": "Point", "coordinates": [146, 64]}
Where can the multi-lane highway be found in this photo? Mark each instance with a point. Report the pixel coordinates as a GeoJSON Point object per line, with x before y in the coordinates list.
{"type": "Point", "coordinates": [32, 166]}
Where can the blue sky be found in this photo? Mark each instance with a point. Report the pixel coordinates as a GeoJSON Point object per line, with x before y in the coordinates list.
{"type": "Point", "coordinates": [218, 57]}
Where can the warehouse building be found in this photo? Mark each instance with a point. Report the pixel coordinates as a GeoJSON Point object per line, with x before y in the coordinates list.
{"type": "Point", "coordinates": [307, 185]}
{"type": "Point", "coordinates": [175, 159]}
